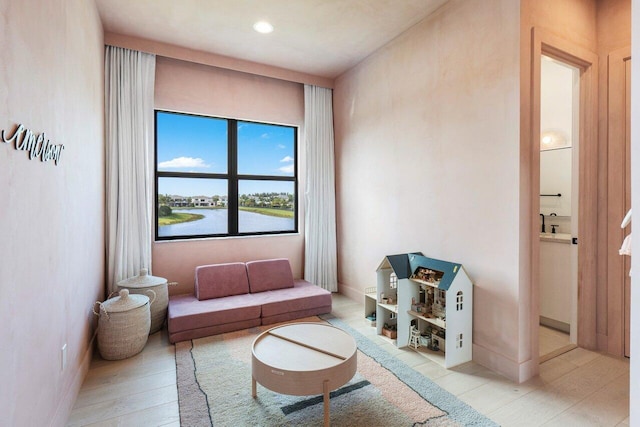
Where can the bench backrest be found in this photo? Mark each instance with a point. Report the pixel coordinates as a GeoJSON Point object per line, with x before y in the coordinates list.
{"type": "Point", "coordinates": [221, 280]}
{"type": "Point", "coordinates": [270, 274]}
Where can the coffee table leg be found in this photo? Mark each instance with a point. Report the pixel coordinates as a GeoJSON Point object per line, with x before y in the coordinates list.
{"type": "Point", "coordinates": [325, 389]}
{"type": "Point", "coordinates": [253, 387]}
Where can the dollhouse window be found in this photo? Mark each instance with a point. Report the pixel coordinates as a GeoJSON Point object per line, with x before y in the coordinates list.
{"type": "Point", "coordinates": [393, 281]}
{"type": "Point", "coordinates": [459, 341]}
{"type": "Point", "coordinates": [459, 301]}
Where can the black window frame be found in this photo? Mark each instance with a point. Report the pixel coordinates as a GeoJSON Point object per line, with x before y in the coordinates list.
{"type": "Point", "coordinates": [232, 176]}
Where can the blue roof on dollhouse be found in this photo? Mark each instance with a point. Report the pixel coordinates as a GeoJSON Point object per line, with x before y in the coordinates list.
{"type": "Point", "coordinates": [404, 265]}
{"type": "Point", "coordinates": [400, 264]}
{"type": "Point", "coordinates": [449, 269]}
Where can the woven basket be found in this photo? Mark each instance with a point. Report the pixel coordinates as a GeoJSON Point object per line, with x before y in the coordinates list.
{"type": "Point", "coordinates": [140, 285]}
{"type": "Point", "coordinates": [123, 325]}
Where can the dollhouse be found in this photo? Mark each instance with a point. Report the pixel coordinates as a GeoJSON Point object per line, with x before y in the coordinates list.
{"type": "Point", "coordinates": [423, 303]}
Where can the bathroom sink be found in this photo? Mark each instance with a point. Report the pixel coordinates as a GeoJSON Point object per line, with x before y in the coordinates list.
{"type": "Point", "coordinates": [557, 237]}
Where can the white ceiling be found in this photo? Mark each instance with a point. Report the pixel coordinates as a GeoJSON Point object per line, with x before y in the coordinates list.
{"type": "Point", "coordinates": [319, 37]}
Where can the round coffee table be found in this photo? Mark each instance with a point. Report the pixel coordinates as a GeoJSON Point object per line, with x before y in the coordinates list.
{"type": "Point", "coordinates": [303, 359]}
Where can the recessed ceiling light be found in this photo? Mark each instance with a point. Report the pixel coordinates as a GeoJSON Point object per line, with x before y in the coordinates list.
{"type": "Point", "coordinates": [263, 27]}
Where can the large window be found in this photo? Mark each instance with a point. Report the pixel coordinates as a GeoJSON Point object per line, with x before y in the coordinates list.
{"type": "Point", "coordinates": [224, 177]}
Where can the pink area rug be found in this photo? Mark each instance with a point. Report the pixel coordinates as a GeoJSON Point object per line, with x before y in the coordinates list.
{"type": "Point", "coordinates": [214, 389]}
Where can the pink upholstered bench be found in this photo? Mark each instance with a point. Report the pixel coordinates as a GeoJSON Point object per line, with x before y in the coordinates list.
{"type": "Point", "coordinates": [237, 296]}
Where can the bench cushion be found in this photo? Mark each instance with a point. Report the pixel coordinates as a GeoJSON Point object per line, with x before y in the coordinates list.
{"type": "Point", "coordinates": [302, 296]}
{"type": "Point", "coordinates": [187, 312]}
{"type": "Point", "coordinates": [221, 280]}
{"type": "Point", "coordinates": [268, 275]}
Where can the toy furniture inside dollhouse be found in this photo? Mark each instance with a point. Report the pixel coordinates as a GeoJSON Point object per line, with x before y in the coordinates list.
{"type": "Point", "coordinates": [387, 307]}
{"type": "Point", "coordinates": [425, 304]}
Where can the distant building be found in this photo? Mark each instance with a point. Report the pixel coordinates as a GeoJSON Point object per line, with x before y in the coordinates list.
{"type": "Point", "coordinates": [202, 201]}
{"type": "Point", "coordinates": [222, 201]}
{"type": "Point", "coordinates": [179, 201]}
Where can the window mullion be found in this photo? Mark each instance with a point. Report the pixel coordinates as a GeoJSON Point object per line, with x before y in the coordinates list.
{"type": "Point", "coordinates": [232, 167]}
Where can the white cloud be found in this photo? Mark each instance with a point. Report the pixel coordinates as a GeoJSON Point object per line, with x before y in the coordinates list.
{"type": "Point", "coordinates": [280, 146]}
{"type": "Point", "coordinates": [265, 136]}
{"type": "Point", "coordinates": [287, 159]}
{"type": "Point", "coordinates": [184, 162]}
{"type": "Point", "coordinates": [286, 169]}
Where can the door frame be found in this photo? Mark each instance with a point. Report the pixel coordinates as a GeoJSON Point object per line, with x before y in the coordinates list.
{"type": "Point", "coordinates": [548, 44]}
{"type": "Point", "coordinates": [618, 198]}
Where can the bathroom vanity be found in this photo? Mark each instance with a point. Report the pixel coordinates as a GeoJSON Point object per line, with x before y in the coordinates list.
{"type": "Point", "coordinates": [556, 280]}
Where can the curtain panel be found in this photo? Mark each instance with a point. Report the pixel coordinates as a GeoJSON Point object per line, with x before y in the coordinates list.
{"type": "Point", "coordinates": [129, 88]}
{"type": "Point", "coordinates": [320, 264]}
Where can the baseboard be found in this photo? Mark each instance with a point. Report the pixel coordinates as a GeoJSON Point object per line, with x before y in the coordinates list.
{"type": "Point", "coordinates": [61, 416]}
{"type": "Point", "coordinates": [555, 324]}
{"type": "Point", "coordinates": [350, 292]}
{"type": "Point", "coordinates": [517, 372]}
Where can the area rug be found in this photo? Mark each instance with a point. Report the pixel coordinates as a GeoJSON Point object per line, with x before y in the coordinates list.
{"type": "Point", "coordinates": [214, 389]}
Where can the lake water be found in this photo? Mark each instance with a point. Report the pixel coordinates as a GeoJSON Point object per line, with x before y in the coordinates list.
{"type": "Point", "coordinates": [215, 222]}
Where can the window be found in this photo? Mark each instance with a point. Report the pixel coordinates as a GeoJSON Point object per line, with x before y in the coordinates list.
{"type": "Point", "coordinates": [393, 281]}
{"type": "Point", "coordinates": [459, 301]}
{"type": "Point", "coordinates": [224, 177]}
{"type": "Point", "coordinates": [459, 341]}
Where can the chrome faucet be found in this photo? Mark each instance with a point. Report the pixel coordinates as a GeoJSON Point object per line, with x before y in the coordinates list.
{"type": "Point", "coordinates": [543, 229]}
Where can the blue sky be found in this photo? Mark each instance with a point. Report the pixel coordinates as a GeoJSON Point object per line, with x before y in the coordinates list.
{"type": "Point", "coordinates": [199, 144]}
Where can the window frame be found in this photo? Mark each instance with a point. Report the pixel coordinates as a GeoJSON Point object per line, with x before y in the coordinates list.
{"type": "Point", "coordinates": [231, 176]}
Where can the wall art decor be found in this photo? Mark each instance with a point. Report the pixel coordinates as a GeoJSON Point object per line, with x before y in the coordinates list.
{"type": "Point", "coordinates": [37, 145]}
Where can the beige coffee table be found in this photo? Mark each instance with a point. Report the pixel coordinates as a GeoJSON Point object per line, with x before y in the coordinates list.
{"type": "Point", "coordinates": [303, 359]}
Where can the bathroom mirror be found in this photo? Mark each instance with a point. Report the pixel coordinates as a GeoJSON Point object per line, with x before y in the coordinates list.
{"type": "Point", "coordinates": [555, 178]}
{"type": "Point", "coordinates": [559, 98]}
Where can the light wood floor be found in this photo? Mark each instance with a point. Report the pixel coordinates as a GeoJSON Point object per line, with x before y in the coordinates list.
{"type": "Point", "coordinates": [553, 343]}
{"type": "Point", "coordinates": [578, 388]}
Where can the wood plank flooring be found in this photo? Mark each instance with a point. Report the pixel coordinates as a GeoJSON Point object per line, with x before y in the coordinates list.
{"type": "Point", "coordinates": [553, 343]}
{"type": "Point", "coordinates": [578, 388]}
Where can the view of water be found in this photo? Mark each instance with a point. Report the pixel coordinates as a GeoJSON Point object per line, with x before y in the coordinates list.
{"type": "Point", "coordinates": [215, 222]}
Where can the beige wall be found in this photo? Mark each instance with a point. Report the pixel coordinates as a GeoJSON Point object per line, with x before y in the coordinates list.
{"type": "Point", "coordinates": [194, 88]}
{"type": "Point", "coordinates": [51, 217]}
{"type": "Point", "coordinates": [427, 148]}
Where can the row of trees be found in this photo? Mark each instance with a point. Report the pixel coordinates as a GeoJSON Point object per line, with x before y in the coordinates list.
{"type": "Point", "coordinates": [262, 200]}
{"type": "Point", "coordinates": [267, 200]}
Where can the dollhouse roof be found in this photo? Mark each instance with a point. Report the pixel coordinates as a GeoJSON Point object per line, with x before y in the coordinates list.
{"type": "Point", "coordinates": [399, 264]}
{"type": "Point", "coordinates": [449, 269]}
{"type": "Point", "coordinates": [404, 265]}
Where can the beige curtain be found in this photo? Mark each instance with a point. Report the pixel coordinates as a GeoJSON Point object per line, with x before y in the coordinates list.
{"type": "Point", "coordinates": [320, 263]}
{"type": "Point", "coordinates": [129, 86]}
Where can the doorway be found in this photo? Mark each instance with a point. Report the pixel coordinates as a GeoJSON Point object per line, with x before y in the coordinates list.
{"type": "Point", "coordinates": [559, 186]}
{"type": "Point", "coordinates": [582, 224]}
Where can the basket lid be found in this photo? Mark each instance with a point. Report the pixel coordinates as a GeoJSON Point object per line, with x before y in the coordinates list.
{"type": "Point", "coordinates": [124, 302]}
{"type": "Point", "coordinates": [143, 280]}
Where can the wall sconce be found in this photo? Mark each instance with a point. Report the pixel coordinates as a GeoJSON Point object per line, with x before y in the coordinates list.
{"type": "Point", "coordinates": [553, 139]}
